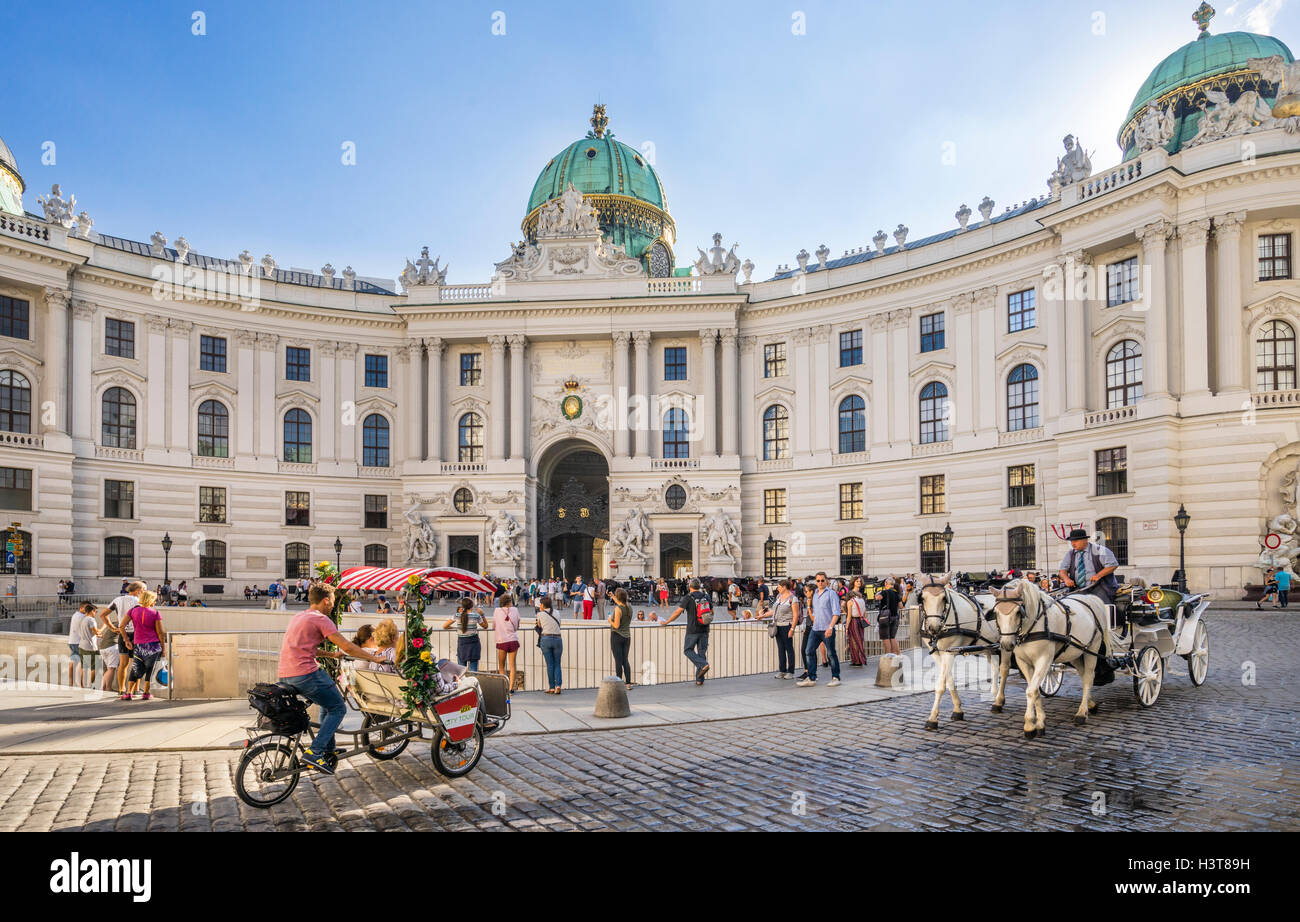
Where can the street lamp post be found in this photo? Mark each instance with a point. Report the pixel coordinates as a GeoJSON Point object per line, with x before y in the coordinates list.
{"type": "Point", "coordinates": [167, 556]}
{"type": "Point", "coordinates": [338, 553]}
{"type": "Point", "coordinates": [1182, 519]}
{"type": "Point", "coordinates": [947, 547]}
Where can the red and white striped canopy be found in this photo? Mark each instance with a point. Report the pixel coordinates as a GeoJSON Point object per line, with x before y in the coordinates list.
{"type": "Point", "coordinates": [447, 579]}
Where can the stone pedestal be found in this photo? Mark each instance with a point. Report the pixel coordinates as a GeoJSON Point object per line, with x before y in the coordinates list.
{"type": "Point", "coordinates": [722, 567]}
{"type": "Point", "coordinates": [503, 568]}
{"type": "Point", "coordinates": [611, 699]}
{"type": "Point", "coordinates": [630, 567]}
{"type": "Point", "coordinates": [889, 664]}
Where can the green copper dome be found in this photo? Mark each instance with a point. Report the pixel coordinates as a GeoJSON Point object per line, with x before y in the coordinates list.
{"type": "Point", "coordinates": [11, 182]}
{"type": "Point", "coordinates": [620, 182]}
{"type": "Point", "coordinates": [1181, 79]}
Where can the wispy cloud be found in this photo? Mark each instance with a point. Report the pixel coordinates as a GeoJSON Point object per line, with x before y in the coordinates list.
{"type": "Point", "coordinates": [1258, 18]}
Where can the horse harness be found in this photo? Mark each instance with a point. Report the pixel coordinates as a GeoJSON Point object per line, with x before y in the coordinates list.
{"type": "Point", "coordinates": [955, 631]}
{"type": "Point", "coordinates": [1065, 640]}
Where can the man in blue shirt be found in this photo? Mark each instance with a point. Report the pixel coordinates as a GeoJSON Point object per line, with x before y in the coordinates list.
{"type": "Point", "coordinates": [1283, 578]}
{"type": "Point", "coordinates": [1089, 568]}
{"type": "Point", "coordinates": [825, 615]}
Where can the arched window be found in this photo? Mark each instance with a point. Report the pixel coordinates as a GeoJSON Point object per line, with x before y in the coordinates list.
{"type": "Point", "coordinates": [853, 424]}
{"type": "Point", "coordinates": [1114, 530]}
{"type": "Point", "coordinates": [776, 433]}
{"type": "Point", "coordinates": [119, 419]}
{"type": "Point", "coordinates": [463, 500]}
{"type": "Point", "coordinates": [297, 437]}
{"type": "Point", "coordinates": [214, 430]}
{"type": "Point", "coordinates": [212, 559]}
{"type": "Point", "coordinates": [933, 558]}
{"type": "Point", "coordinates": [773, 559]}
{"type": "Point", "coordinates": [1123, 374]}
{"type": "Point", "coordinates": [1020, 548]}
{"type": "Point", "coordinates": [15, 402]}
{"type": "Point", "coordinates": [934, 413]}
{"type": "Point", "coordinates": [676, 434]}
{"type": "Point", "coordinates": [471, 438]}
{"type": "Point", "coordinates": [1022, 398]}
{"type": "Point", "coordinates": [850, 557]}
{"type": "Point", "coordinates": [297, 560]}
{"type": "Point", "coordinates": [376, 555]}
{"type": "Point", "coordinates": [1274, 357]}
{"type": "Point", "coordinates": [374, 441]}
{"type": "Point", "coordinates": [119, 557]}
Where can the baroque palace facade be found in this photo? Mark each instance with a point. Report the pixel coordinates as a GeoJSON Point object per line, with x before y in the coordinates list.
{"type": "Point", "coordinates": [1102, 354]}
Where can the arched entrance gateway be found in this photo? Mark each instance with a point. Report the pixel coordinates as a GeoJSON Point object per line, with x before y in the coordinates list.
{"type": "Point", "coordinates": [572, 510]}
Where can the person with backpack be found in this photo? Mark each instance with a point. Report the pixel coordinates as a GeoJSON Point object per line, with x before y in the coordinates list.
{"type": "Point", "coordinates": [698, 608]}
{"type": "Point", "coordinates": [1089, 568]}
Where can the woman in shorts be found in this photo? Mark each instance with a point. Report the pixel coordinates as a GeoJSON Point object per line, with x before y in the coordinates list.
{"type": "Point", "coordinates": [468, 621]}
{"type": "Point", "coordinates": [146, 643]}
{"type": "Point", "coordinates": [505, 622]}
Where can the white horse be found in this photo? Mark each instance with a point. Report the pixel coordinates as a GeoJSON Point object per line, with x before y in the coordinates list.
{"type": "Point", "coordinates": [949, 620]}
{"type": "Point", "coordinates": [1041, 630]}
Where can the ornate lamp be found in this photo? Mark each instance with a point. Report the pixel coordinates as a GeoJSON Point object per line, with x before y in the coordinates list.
{"type": "Point", "coordinates": [167, 553]}
{"type": "Point", "coordinates": [338, 553]}
{"type": "Point", "coordinates": [1182, 520]}
{"type": "Point", "coordinates": [947, 546]}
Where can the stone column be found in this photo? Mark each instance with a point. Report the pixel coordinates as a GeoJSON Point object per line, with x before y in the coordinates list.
{"type": "Point", "coordinates": [748, 444]}
{"type": "Point", "coordinates": [1155, 353]}
{"type": "Point", "coordinates": [434, 346]}
{"type": "Point", "coordinates": [518, 397]}
{"type": "Point", "coordinates": [1196, 331]}
{"type": "Point", "coordinates": [81, 393]}
{"type": "Point", "coordinates": [1077, 347]}
{"type": "Point", "coordinates": [879, 326]}
{"type": "Point", "coordinates": [497, 413]}
{"type": "Point", "coordinates": [641, 419]}
{"type": "Point", "coordinates": [246, 392]}
{"type": "Point", "coordinates": [267, 445]}
{"type": "Point", "coordinates": [329, 400]}
{"type": "Point", "coordinates": [621, 389]}
{"type": "Point", "coordinates": [707, 412]}
{"type": "Point", "coordinates": [730, 392]}
{"type": "Point", "coordinates": [179, 397]}
{"type": "Point", "coordinates": [412, 421]}
{"type": "Point", "coordinates": [347, 389]}
{"type": "Point", "coordinates": [1227, 307]}
{"type": "Point", "coordinates": [55, 390]}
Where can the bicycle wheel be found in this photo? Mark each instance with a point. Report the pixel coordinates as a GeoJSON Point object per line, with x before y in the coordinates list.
{"type": "Point", "coordinates": [377, 748]}
{"type": "Point", "coordinates": [455, 760]}
{"type": "Point", "coordinates": [255, 776]}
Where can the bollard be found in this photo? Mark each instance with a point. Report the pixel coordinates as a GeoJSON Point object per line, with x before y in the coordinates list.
{"type": "Point", "coordinates": [611, 698]}
{"type": "Point", "coordinates": [889, 664]}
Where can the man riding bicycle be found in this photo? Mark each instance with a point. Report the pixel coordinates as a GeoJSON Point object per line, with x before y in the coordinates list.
{"type": "Point", "coordinates": [298, 669]}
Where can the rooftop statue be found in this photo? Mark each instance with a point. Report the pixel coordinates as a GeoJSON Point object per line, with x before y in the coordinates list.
{"type": "Point", "coordinates": [1075, 166]}
{"type": "Point", "coordinates": [718, 261]}
{"type": "Point", "coordinates": [1275, 69]}
{"type": "Point", "coordinates": [1155, 128]}
{"type": "Point", "coordinates": [59, 210]}
{"type": "Point", "coordinates": [1221, 118]}
{"type": "Point", "coordinates": [424, 271]}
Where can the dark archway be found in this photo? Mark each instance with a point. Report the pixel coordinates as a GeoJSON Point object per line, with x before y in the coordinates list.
{"type": "Point", "coordinates": [573, 511]}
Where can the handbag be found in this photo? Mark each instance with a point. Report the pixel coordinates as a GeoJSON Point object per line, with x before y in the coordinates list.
{"type": "Point", "coordinates": [772, 629]}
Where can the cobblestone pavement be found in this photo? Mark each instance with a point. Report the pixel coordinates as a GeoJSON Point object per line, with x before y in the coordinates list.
{"type": "Point", "coordinates": [1217, 757]}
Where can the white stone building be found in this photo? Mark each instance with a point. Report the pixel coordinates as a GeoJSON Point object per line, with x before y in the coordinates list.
{"type": "Point", "coordinates": [1101, 354]}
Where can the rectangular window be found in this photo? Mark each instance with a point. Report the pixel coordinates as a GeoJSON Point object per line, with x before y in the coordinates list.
{"type": "Point", "coordinates": [297, 364]}
{"type": "Point", "coordinates": [774, 507]}
{"type": "Point", "coordinates": [15, 488]}
{"type": "Point", "coordinates": [1122, 282]}
{"type": "Point", "coordinates": [471, 369]}
{"type": "Point", "coordinates": [15, 315]}
{"type": "Point", "coordinates": [376, 511]}
{"type": "Point", "coordinates": [1112, 471]}
{"type": "Point", "coordinates": [675, 363]}
{"type": "Point", "coordinates": [932, 332]}
{"type": "Point", "coordinates": [850, 501]}
{"type": "Point", "coordinates": [1021, 311]}
{"type": "Point", "coordinates": [212, 504]}
{"type": "Point", "coordinates": [774, 360]}
{"type": "Point", "coordinates": [119, 499]}
{"type": "Point", "coordinates": [376, 371]}
{"type": "Point", "coordinates": [1274, 257]}
{"type": "Point", "coordinates": [1020, 485]}
{"type": "Point", "coordinates": [933, 498]}
{"type": "Point", "coordinates": [850, 348]}
{"type": "Point", "coordinates": [297, 509]}
{"type": "Point", "coordinates": [119, 338]}
{"type": "Point", "coordinates": [212, 353]}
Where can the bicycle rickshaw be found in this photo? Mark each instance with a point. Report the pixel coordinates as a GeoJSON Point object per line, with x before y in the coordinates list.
{"type": "Point", "coordinates": [454, 724]}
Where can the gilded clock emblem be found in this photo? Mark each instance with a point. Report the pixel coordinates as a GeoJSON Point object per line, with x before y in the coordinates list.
{"type": "Point", "coordinates": [571, 406]}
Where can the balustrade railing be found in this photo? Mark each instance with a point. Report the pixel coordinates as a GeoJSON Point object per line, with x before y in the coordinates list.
{"type": "Point", "coordinates": [1103, 182]}
{"type": "Point", "coordinates": [1106, 417]}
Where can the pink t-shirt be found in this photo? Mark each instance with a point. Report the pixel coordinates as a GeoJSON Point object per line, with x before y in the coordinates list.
{"type": "Point", "coordinates": [305, 632]}
{"type": "Point", "coordinates": [145, 621]}
{"type": "Point", "coordinates": [505, 621]}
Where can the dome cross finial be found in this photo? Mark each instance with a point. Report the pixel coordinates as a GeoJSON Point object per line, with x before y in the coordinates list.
{"type": "Point", "coordinates": [598, 119]}
{"type": "Point", "coordinates": [1204, 13]}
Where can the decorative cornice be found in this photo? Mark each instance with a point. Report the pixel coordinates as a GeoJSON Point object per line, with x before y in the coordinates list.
{"type": "Point", "coordinates": [729, 337]}
{"type": "Point", "coordinates": [182, 327]}
{"type": "Point", "coordinates": [1194, 233]}
{"type": "Point", "coordinates": [327, 349]}
{"type": "Point", "coordinates": [157, 325]}
{"type": "Point", "coordinates": [267, 341]}
{"type": "Point", "coordinates": [1155, 234]}
{"type": "Point", "coordinates": [347, 350]}
{"type": "Point", "coordinates": [497, 343]}
{"type": "Point", "coordinates": [517, 341]}
{"type": "Point", "coordinates": [58, 297]}
{"type": "Point", "coordinates": [246, 337]}
{"type": "Point", "coordinates": [1229, 226]}
{"type": "Point", "coordinates": [82, 309]}
{"type": "Point", "coordinates": [435, 345]}
{"type": "Point", "coordinates": [821, 334]}
{"type": "Point", "coordinates": [961, 304]}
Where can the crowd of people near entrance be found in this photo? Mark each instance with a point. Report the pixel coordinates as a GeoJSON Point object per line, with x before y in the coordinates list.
{"type": "Point", "coordinates": [118, 647]}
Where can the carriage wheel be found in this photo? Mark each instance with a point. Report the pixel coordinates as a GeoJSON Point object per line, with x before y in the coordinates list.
{"type": "Point", "coordinates": [455, 760]}
{"type": "Point", "coordinates": [1051, 683]}
{"type": "Point", "coordinates": [377, 748]}
{"type": "Point", "coordinates": [1148, 676]}
{"type": "Point", "coordinates": [1198, 661]}
{"type": "Point", "coordinates": [253, 776]}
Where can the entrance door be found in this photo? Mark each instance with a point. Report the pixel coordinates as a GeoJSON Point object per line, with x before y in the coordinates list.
{"type": "Point", "coordinates": [675, 557]}
{"type": "Point", "coordinates": [462, 552]}
{"type": "Point", "coordinates": [573, 511]}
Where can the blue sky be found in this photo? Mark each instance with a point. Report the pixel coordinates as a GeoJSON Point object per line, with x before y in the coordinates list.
{"type": "Point", "coordinates": [879, 113]}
